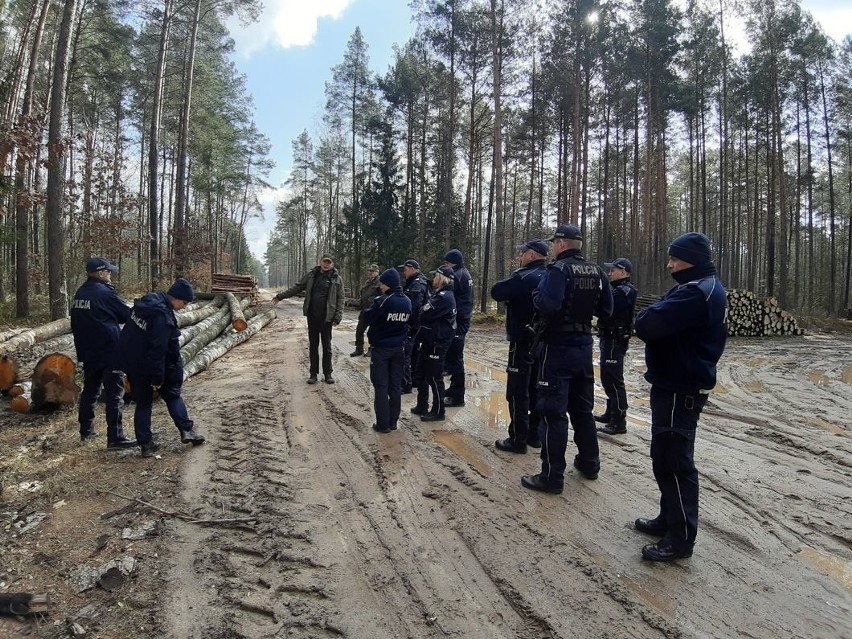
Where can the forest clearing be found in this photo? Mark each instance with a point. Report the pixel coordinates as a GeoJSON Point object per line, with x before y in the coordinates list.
{"type": "Point", "coordinates": [296, 519]}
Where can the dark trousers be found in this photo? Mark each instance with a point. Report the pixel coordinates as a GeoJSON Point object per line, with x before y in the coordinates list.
{"type": "Point", "coordinates": [143, 395]}
{"type": "Point", "coordinates": [95, 378]}
{"type": "Point", "coordinates": [454, 365]}
{"type": "Point", "coordinates": [566, 379]}
{"type": "Point", "coordinates": [612, 376]}
{"type": "Point", "coordinates": [430, 377]}
{"type": "Point", "coordinates": [386, 375]}
{"type": "Point", "coordinates": [359, 332]}
{"type": "Point", "coordinates": [521, 393]}
{"type": "Point", "coordinates": [674, 419]}
{"type": "Point", "coordinates": [410, 353]}
{"type": "Point", "coordinates": [319, 329]}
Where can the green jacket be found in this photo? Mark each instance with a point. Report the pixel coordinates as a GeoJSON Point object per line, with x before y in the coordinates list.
{"type": "Point", "coordinates": [336, 297]}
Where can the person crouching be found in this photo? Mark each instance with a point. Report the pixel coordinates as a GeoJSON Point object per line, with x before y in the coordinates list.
{"type": "Point", "coordinates": [387, 322]}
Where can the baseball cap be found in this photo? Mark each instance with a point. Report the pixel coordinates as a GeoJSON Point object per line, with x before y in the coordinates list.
{"type": "Point", "coordinates": [566, 232]}
{"type": "Point", "coordinates": [95, 264]}
{"type": "Point", "coordinates": [621, 262]}
{"type": "Point", "coordinates": [411, 263]}
{"type": "Point", "coordinates": [446, 271]}
{"type": "Point", "coordinates": [539, 246]}
{"type": "Point", "coordinates": [373, 267]}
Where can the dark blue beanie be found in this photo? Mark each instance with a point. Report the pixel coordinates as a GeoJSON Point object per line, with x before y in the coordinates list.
{"type": "Point", "coordinates": [390, 278]}
{"type": "Point", "coordinates": [454, 256]}
{"type": "Point", "coordinates": [181, 290]}
{"type": "Point", "coordinates": [693, 248]}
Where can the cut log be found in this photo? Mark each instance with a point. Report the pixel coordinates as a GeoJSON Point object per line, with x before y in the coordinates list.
{"type": "Point", "coordinates": [188, 333]}
{"type": "Point", "coordinates": [9, 372]}
{"type": "Point", "coordinates": [22, 403]}
{"type": "Point", "coordinates": [219, 347]}
{"type": "Point", "coordinates": [53, 380]}
{"type": "Point", "coordinates": [238, 320]}
{"type": "Point", "coordinates": [193, 317]}
{"type": "Point", "coordinates": [23, 604]}
{"type": "Point", "coordinates": [20, 388]}
{"type": "Point", "coordinates": [207, 334]}
{"type": "Point", "coordinates": [36, 335]}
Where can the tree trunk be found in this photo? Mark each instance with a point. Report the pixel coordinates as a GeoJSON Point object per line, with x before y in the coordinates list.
{"type": "Point", "coordinates": [36, 335]}
{"type": "Point", "coordinates": [216, 349]}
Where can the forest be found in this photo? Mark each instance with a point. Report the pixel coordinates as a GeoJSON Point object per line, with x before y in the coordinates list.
{"type": "Point", "coordinates": [126, 131]}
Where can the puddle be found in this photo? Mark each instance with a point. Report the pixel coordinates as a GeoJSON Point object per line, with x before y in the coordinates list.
{"type": "Point", "coordinates": [819, 378]}
{"type": "Point", "coordinates": [460, 444]}
{"type": "Point", "coordinates": [486, 372]}
{"type": "Point", "coordinates": [846, 375]}
{"type": "Point", "coordinates": [664, 606]}
{"type": "Point", "coordinates": [494, 405]}
{"type": "Point", "coordinates": [758, 361]}
{"type": "Point", "coordinates": [754, 387]}
{"type": "Point", "coordinates": [837, 568]}
{"type": "Point", "coordinates": [834, 429]}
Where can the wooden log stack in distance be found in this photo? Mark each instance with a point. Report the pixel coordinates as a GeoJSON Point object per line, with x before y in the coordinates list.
{"type": "Point", "coordinates": [239, 285]}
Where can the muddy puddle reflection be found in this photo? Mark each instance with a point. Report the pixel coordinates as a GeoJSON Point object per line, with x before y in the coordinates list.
{"type": "Point", "coordinates": [460, 444]}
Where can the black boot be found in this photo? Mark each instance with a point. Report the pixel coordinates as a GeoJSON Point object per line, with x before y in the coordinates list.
{"type": "Point", "coordinates": [359, 350]}
{"type": "Point", "coordinates": [604, 417]}
{"type": "Point", "coordinates": [616, 426]}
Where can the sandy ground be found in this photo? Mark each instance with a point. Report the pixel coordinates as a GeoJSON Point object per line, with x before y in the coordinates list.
{"type": "Point", "coordinates": [427, 532]}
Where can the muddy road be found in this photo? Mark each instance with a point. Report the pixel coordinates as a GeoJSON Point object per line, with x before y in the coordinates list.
{"type": "Point", "coordinates": [427, 532]}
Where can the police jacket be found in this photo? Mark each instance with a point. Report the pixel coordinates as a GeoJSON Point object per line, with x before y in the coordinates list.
{"type": "Point", "coordinates": [438, 319]}
{"type": "Point", "coordinates": [516, 290]}
{"type": "Point", "coordinates": [388, 318]}
{"type": "Point", "coordinates": [336, 296]}
{"type": "Point", "coordinates": [685, 332]}
{"type": "Point", "coordinates": [96, 312]}
{"type": "Point", "coordinates": [619, 325]}
{"type": "Point", "coordinates": [369, 292]}
{"type": "Point", "coordinates": [149, 340]}
{"type": "Point", "coordinates": [570, 293]}
{"type": "Point", "coordinates": [417, 290]}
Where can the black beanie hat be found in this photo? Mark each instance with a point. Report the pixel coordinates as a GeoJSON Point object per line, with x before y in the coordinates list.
{"type": "Point", "coordinates": [693, 248]}
{"type": "Point", "coordinates": [181, 290]}
{"type": "Point", "coordinates": [390, 278]}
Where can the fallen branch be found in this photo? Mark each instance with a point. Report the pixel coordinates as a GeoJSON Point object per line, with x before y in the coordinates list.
{"type": "Point", "coordinates": [180, 515]}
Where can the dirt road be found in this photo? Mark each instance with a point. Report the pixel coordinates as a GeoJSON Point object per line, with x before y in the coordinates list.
{"type": "Point", "coordinates": [427, 532]}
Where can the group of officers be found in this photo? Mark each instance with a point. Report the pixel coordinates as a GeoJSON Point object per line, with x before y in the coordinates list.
{"type": "Point", "coordinates": [416, 328]}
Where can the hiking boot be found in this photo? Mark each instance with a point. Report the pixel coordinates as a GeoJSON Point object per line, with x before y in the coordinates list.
{"type": "Point", "coordinates": [537, 482]}
{"type": "Point", "coordinates": [616, 426]}
{"type": "Point", "coordinates": [381, 429]}
{"type": "Point", "coordinates": [87, 437]}
{"type": "Point", "coordinates": [356, 352]}
{"type": "Point", "coordinates": [510, 446]}
{"type": "Point", "coordinates": [653, 526]}
{"type": "Point", "coordinates": [122, 443]}
{"type": "Point", "coordinates": [312, 379]}
{"type": "Point", "coordinates": [191, 437]}
{"type": "Point", "coordinates": [149, 449]}
{"type": "Point", "coordinates": [329, 379]}
{"type": "Point", "coordinates": [603, 418]}
{"type": "Point", "coordinates": [665, 552]}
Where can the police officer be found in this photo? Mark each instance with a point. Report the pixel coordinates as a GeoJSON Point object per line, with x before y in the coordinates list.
{"type": "Point", "coordinates": [570, 293]}
{"type": "Point", "coordinates": [463, 293]}
{"type": "Point", "coordinates": [368, 293]}
{"type": "Point", "coordinates": [437, 331]}
{"type": "Point", "coordinates": [684, 335]}
{"type": "Point", "coordinates": [96, 312]}
{"type": "Point", "coordinates": [417, 289]}
{"type": "Point", "coordinates": [387, 319]}
{"type": "Point", "coordinates": [516, 291]}
{"type": "Point", "coordinates": [615, 334]}
{"type": "Point", "coordinates": [149, 352]}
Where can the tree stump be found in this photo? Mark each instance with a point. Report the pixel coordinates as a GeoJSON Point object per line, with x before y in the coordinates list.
{"type": "Point", "coordinates": [53, 380]}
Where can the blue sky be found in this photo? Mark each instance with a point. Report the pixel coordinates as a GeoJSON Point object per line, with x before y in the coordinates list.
{"type": "Point", "coordinates": [288, 55]}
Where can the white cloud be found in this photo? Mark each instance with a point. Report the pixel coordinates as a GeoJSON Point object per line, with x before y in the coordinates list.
{"type": "Point", "coordinates": [258, 231]}
{"type": "Point", "coordinates": [285, 23]}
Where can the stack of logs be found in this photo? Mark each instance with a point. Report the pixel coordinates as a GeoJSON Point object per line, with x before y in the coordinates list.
{"type": "Point", "coordinates": [748, 316]}
{"type": "Point", "coordinates": [239, 285]}
{"type": "Point", "coordinates": [209, 328]}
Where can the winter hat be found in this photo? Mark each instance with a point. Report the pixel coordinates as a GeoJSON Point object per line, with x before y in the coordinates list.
{"type": "Point", "coordinates": [446, 271]}
{"type": "Point", "coordinates": [566, 232]}
{"type": "Point", "coordinates": [454, 256]}
{"type": "Point", "coordinates": [390, 278]}
{"type": "Point", "coordinates": [693, 248]}
{"type": "Point", "coordinates": [181, 290]}
{"type": "Point", "coordinates": [95, 264]}
{"type": "Point", "coordinates": [539, 246]}
{"type": "Point", "coordinates": [411, 263]}
{"type": "Point", "coordinates": [621, 262]}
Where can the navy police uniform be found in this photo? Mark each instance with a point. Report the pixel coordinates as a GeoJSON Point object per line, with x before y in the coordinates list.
{"type": "Point", "coordinates": [684, 335]}
{"type": "Point", "coordinates": [149, 352]}
{"type": "Point", "coordinates": [437, 331]}
{"type": "Point", "coordinates": [387, 320]}
{"type": "Point", "coordinates": [521, 379]}
{"type": "Point", "coordinates": [96, 312]}
{"type": "Point", "coordinates": [615, 334]}
{"type": "Point", "coordinates": [463, 293]}
{"type": "Point", "coordinates": [417, 290]}
{"type": "Point", "coordinates": [570, 293]}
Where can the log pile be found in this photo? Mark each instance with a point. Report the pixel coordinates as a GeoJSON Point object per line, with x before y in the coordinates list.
{"type": "Point", "coordinates": [748, 316]}
{"type": "Point", "coordinates": [239, 285]}
{"type": "Point", "coordinates": [209, 329]}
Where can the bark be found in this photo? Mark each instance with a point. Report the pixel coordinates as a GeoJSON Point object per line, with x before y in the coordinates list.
{"type": "Point", "coordinates": [238, 320]}
{"type": "Point", "coordinates": [216, 349]}
{"type": "Point", "coordinates": [193, 317]}
{"type": "Point", "coordinates": [36, 335]}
